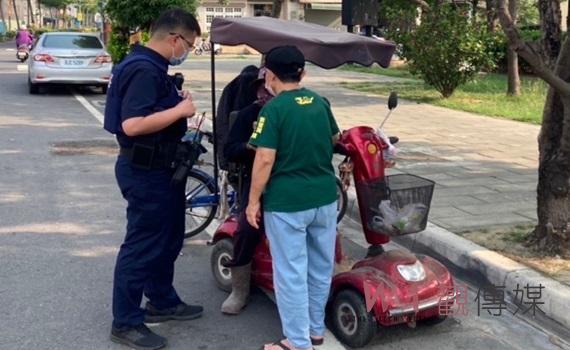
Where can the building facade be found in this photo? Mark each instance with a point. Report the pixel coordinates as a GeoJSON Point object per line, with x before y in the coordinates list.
{"type": "Point", "coordinates": [324, 12]}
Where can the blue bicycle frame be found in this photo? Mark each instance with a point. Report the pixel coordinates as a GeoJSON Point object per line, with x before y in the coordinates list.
{"type": "Point", "coordinates": [194, 200]}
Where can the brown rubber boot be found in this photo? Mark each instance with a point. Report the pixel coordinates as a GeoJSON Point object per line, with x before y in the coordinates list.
{"type": "Point", "coordinates": [237, 300]}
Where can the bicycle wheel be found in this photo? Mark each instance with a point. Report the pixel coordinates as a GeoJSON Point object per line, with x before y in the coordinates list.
{"type": "Point", "coordinates": [201, 203]}
{"type": "Point", "coordinates": [342, 200]}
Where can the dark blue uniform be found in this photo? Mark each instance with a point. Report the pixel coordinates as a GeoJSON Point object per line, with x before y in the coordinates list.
{"type": "Point", "coordinates": [156, 209]}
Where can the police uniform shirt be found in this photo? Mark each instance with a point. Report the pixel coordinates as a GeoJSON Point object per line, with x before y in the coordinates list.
{"type": "Point", "coordinates": [146, 89]}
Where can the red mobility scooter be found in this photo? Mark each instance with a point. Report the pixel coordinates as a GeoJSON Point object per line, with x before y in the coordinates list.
{"type": "Point", "coordinates": [387, 287]}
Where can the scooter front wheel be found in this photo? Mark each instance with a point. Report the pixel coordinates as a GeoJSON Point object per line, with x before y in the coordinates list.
{"type": "Point", "coordinates": [222, 253]}
{"type": "Point", "coordinates": [352, 324]}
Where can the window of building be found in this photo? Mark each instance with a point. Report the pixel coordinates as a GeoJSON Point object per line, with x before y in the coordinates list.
{"type": "Point", "coordinates": [262, 10]}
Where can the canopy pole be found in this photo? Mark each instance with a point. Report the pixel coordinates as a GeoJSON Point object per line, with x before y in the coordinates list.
{"type": "Point", "coordinates": [215, 131]}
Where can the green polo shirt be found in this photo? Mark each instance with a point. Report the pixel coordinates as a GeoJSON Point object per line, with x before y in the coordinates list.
{"type": "Point", "coordinates": [299, 125]}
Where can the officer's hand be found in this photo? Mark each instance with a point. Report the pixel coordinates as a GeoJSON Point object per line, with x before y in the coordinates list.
{"type": "Point", "coordinates": [253, 214]}
{"type": "Point", "coordinates": [186, 108]}
{"type": "Point", "coordinates": [185, 94]}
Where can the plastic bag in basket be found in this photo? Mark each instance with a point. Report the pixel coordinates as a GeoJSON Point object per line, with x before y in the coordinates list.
{"type": "Point", "coordinates": [396, 221]}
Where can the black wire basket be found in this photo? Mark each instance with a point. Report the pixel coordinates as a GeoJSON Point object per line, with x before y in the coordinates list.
{"type": "Point", "coordinates": [398, 206]}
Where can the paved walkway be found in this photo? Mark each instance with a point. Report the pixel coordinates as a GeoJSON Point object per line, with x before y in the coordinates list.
{"type": "Point", "coordinates": [485, 168]}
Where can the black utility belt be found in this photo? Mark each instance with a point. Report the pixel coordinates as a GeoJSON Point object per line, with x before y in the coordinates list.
{"type": "Point", "coordinates": [149, 156]}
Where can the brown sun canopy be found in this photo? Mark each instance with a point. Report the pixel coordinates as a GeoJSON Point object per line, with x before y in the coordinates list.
{"type": "Point", "coordinates": [323, 46]}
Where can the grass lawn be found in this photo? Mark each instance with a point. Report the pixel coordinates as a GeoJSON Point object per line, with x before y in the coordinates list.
{"type": "Point", "coordinates": [486, 95]}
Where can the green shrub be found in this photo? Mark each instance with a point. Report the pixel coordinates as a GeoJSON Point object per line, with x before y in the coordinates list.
{"type": "Point", "coordinates": [118, 45]}
{"type": "Point", "coordinates": [39, 31]}
{"type": "Point", "coordinates": [11, 34]}
{"type": "Point", "coordinates": [447, 50]}
{"type": "Point", "coordinates": [498, 46]}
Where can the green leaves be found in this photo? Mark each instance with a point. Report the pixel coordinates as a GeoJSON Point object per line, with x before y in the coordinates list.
{"type": "Point", "coordinates": [135, 13]}
{"type": "Point", "coordinates": [447, 49]}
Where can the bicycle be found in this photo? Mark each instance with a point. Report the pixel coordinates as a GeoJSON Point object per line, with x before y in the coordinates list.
{"type": "Point", "coordinates": [202, 199]}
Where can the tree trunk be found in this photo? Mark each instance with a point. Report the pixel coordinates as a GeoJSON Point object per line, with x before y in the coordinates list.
{"type": "Point", "coordinates": [55, 22]}
{"type": "Point", "coordinates": [31, 18]}
{"type": "Point", "coordinates": [492, 18]}
{"type": "Point", "coordinates": [16, 14]}
{"type": "Point", "coordinates": [568, 17]}
{"type": "Point", "coordinates": [40, 19]}
{"type": "Point", "coordinates": [552, 233]}
{"type": "Point", "coordinates": [474, 8]}
{"type": "Point", "coordinates": [550, 20]}
{"type": "Point", "coordinates": [276, 11]}
{"type": "Point", "coordinates": [2, 15]}
{"type": "Point", "coordinates": [514, 81]}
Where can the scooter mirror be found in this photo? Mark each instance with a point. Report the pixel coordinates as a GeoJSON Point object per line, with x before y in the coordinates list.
{"type": "Point", "coordinates": [393, 100]}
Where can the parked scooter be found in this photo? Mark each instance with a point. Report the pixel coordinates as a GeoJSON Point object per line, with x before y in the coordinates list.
{"type": "Point", "coordinates": [23, 52]}
{"type": "Point", "coordinates": [205, 46]}
{"type": "Point", "coordinates": [387, 287]}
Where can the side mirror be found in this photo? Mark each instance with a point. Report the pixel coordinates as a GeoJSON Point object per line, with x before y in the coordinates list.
{"type": "Point", "coordinates": [393, 100]}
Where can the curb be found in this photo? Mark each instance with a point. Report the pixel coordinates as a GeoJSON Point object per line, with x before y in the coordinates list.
{"type": "Point", "coordinates": [475, 260]}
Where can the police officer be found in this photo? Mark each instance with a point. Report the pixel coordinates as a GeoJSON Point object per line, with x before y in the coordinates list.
{"type": "Point", "coordinates": [149, 116]}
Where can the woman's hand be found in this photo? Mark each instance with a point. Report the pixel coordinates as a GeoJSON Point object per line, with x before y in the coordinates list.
{"type": "Point", "coordinates": [253, 214]}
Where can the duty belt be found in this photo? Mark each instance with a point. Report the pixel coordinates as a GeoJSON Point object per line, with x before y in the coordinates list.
{"type": "Point", "coordinates": [148, 157]}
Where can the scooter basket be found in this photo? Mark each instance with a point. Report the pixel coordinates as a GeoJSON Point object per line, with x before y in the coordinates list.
{"type": "Point", "coordinates": [398, 207]}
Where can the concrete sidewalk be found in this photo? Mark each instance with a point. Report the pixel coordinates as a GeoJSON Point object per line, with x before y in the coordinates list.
{"type": "Point", "coordinates": [485, 168]}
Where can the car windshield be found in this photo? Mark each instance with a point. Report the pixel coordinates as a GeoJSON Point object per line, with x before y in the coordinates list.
{"type": "Point", "coordinates": [72, 42]}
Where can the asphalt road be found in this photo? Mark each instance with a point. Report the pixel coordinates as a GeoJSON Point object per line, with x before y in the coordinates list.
{"type": "Point", "coordinates": [62, 220]}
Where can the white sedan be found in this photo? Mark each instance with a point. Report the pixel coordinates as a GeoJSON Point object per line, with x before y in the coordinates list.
{"type": "Point", "coordinates": [69, 58]}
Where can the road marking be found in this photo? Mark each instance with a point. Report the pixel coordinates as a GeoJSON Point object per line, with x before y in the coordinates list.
{"type": "Point", "coordinates": [22, 67]}
{"type": "Point", "coordinates": [10, 50]}
{"type": "Point", "coordinates": [88, 106]}
{"type": "Point", "coordinates": [99, 103]}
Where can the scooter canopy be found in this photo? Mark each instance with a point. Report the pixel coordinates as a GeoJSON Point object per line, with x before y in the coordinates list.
{"type": "Point", "coordinates": [326, 47]}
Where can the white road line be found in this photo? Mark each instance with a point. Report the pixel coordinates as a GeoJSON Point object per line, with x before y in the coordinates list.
{"type": "Point", "coordinates": [10, 50]}
{"type": "Point", "coordinates": [22, 67]}
{"type": "Point", "coordinates": [88, 106]}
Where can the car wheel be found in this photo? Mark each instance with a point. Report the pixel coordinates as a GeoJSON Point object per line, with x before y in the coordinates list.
{"type": "Point", "coordinates": [33, 88]}
{"type": "Point", "coordinates": [352, 324]}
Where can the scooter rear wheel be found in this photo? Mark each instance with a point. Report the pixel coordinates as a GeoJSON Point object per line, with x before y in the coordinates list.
{"type": "Point", "coordinates": [351, 323]}
{"type": "Point", "coordinates": [221, 253]}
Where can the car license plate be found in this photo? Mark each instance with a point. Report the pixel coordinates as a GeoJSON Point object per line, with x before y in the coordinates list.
{"type": "Point", "coordinates": [73, 63]}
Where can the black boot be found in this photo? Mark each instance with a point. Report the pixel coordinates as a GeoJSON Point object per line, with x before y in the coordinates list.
{"type": "Point", "coordinates": [138, 337]}
{"type": "Point", "coordinates": [180, 312]}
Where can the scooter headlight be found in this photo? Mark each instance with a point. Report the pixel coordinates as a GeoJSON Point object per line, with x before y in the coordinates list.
{"type": "Point", "coordinates": [412, 273]}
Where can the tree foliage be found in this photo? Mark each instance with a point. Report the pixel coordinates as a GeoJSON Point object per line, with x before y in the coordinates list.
{"type": "Point", "coordinates": [528, 13]}
{"type": "Point", "coordinates": [130, 15]}
{"type": "Point", "coordinates": [447, 49]}
{"type": "Point", "coordinates": [55, 3]}
{"type": "Point", "coordinates": [133, 14]}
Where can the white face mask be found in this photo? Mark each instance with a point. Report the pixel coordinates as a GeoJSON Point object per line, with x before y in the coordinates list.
{"type": "Point", "coordinates": [175, 61]}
